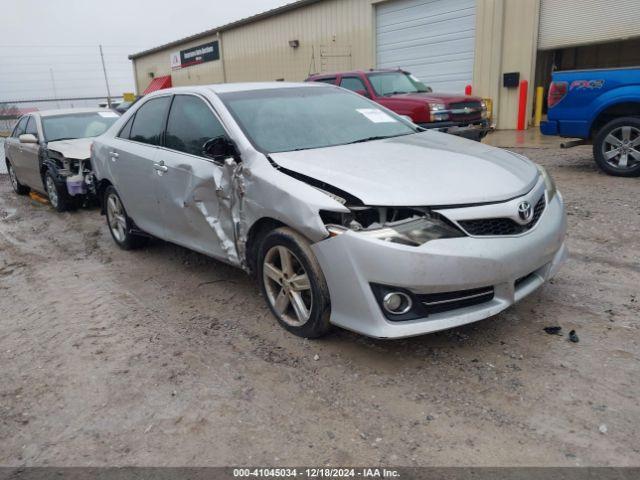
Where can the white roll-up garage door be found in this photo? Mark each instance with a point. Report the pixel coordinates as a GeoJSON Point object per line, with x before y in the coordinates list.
{"type": "Point", "coordinates": [433, 39]}
{"type": "Point", "coordinates": [567, 23]}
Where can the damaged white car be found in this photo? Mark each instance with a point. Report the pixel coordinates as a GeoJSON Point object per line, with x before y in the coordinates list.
{"type": "Point", "coordinates": [347, 213]}
{"type": "Point", "coordinates": [49, 152]}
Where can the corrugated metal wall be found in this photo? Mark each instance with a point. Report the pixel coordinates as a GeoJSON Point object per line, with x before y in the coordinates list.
{"type": "Point", "coordinates": [566, 23]}
{"type": "Point", "coordinates": [159, 64]}
{"type": "Point", "coordinates": [340, 34]}
{"type": "Point", "coordinates": [333, 35]}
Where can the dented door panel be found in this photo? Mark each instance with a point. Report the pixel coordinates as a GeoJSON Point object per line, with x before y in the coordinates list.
{"type": "Point", "coordinates": [196, 200]}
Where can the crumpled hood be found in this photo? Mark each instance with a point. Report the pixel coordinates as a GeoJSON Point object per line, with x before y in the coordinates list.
{"type": "Point", "coordinates": [423, 169]}
{"type": "Point", "coordinates": [78, 148]}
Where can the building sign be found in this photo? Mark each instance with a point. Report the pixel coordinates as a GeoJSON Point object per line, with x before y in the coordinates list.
{"type": "Point", "coordinates": [195, 55]}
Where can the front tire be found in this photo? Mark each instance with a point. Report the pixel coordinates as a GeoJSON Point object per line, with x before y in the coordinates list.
{"type": "Point", "coordinates": [293, 283]}
{"type": "Point", "coordinates": [59, 197]}
{"type": "Point", "coordinates": [616, 147]}
{"type": "Point", "coordinates": [119, 223]}
{"type": "Point", "coordinates": [15, 184]}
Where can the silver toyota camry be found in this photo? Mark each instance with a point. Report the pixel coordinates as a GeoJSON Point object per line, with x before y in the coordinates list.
{"type": "Point", "coordinates": [346, 213]}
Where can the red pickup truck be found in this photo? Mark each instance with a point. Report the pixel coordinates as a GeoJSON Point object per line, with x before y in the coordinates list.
{"type": "Point", "coordinates": [401, 92]}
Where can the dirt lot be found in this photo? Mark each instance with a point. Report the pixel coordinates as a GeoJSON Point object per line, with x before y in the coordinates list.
{"type": "Point", "coordinates": [166, 357]}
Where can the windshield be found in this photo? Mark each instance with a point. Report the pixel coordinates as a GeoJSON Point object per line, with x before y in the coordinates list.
{"type": "Point", "coordinates": [389, 83]}
{"type": "Point", "coordinates": [301, 118]}
{"type": "Point", "coordinates": [77, 125]}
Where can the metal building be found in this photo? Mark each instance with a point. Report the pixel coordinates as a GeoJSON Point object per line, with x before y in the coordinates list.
{"type": "Point", "coordinates": [446, 43]}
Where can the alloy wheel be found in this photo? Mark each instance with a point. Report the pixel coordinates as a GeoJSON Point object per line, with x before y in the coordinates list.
{"type": "Point", "coordinates": [287, 286]}
{"type": "Point", "coordinates": [621, 148]}
{"type": "Point", "coordinates": [52, 192]}
{"type": "Point", "coordinates": [116, 218]}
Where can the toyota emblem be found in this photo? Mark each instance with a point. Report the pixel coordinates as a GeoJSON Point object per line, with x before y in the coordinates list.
{"type": "Point", "coordinates": [525, 211]}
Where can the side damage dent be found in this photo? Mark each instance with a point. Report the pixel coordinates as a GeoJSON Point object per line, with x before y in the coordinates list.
{"type": "Point", "coordinates": [223, 212]}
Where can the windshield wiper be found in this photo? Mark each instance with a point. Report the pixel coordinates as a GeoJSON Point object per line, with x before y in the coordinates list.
{"type": "Point", "coordinates": [60, 139]}
{"type": "Point", "coordinates": [369, 139]}
{"type": "Point", "coordinates": [396, 93]}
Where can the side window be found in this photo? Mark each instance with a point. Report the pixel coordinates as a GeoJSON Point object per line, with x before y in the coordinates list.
{"type": "Point", "coordinates": [20, 127]}
{"type": "Point", "coordinates": [191, 123]}
{"type": "Point", "coordinates": [149, 121]}
{"type": "Point", "coordinates": [330, 80]}
{"type": "Point", "coordinates": [352, 83]}
{"type": "Point", "coordinates": [32, 128]}
{"type": "Point", "coordinates": [126, 130]}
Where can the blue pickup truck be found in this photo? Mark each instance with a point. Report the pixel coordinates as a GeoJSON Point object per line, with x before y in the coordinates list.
{"type": "Point", "coordinates": [601, 107]}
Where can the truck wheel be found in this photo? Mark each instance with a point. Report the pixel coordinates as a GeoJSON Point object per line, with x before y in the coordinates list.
{"type": "Point", "coordinates": [293, 283]}
{"type": "Point", "coordinates": [616, 147]}
{"type": "Point", "coordinates": [119, 222]}
{"type": "Point", "coordinates": [17, 186]}
{"type": "Point", "coordinates": [59, 197]}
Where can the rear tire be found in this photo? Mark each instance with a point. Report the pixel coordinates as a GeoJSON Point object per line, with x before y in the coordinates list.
{"type": "Point", "coordinates": [15, 184]}
{"type": "Point", "coordinates": [616, 147]}
{"type": "Point", "coordinates": [59, 197]}
{"type": "Point", "coordinates": [293, 283]}
{"type": "Point", "coordinates": [119, 223]}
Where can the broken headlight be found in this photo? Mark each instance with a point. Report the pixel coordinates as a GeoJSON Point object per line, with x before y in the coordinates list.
{"type": "Point", "coordinates": [406, 226]}
{"type": "Point", "coordinates": [415, 232]}
{"type": "Point", "coordinates": [548, 182]}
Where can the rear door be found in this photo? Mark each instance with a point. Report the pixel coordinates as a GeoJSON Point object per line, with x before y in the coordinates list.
{"type": "Point", "coordinates": [134, 171]}
{"type": "Point", "coordinates": [195, 193]}
{"type": "Point", "coordinates": [13, 149]}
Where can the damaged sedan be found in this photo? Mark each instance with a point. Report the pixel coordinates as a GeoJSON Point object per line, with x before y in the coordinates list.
{"type": "Point", "coordinates": [49, 152]}
{"type": "Point", "coordinates": [346, 213]}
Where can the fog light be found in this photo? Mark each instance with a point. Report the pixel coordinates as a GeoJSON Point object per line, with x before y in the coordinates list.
{"type": "Point", "coordinates": [397, 303]}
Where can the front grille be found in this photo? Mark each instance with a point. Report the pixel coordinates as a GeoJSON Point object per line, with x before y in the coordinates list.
{"type": "Point", "coordinates": [502, 226]}
{"type": "Point", "coordinates": [447, 301]}
{"type": "Point", "coordinates": [458, 111]}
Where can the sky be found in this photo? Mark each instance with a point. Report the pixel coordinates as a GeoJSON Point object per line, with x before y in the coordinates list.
{"type": "Point", "coordinates": [49, 48]}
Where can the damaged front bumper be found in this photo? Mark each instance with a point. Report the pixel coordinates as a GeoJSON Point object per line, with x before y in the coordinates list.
{"type": "Point", "coordinates": [473, 131]}
{"type": "Point", "coordinates": [496, 271]}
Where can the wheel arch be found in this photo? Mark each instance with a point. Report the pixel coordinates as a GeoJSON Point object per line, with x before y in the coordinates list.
{"type": "Point", "coordinates": [626, 108]}
{"type": "Point", "coordinates": [256, 233]}
{"type": "Point", "coordinates": [100, 189]}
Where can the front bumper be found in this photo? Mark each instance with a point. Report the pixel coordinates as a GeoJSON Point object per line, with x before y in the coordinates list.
{"type": "Point", "coordinates": [352, 262]}
{"type": "Point", "coordinates": [474, 131]}
{"type": "Point", "coordinates": [549, 127]}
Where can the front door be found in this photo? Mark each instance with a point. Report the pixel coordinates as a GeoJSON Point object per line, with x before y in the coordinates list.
{"type": "Point", "coordinates": [196, 194]}
{"type": "Point", "coordinates": [30, 158]}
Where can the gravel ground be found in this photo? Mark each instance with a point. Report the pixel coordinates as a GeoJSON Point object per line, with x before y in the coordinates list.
{"type": "Point", "coordinates": [166, 357]}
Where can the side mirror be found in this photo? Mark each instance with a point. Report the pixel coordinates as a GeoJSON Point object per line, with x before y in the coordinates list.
{"type": "Point", "coordinates": [28, 138]}
{"type": "Point", "coordinates": [364, 93]}
{"type": "Point", "coordinates": [220, 148]}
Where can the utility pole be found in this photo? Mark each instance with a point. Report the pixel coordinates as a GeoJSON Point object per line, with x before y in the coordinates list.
{"type": "Point", "coordinates": [106, 79]}
{"type": "Point", "coordinates": [55, 91]}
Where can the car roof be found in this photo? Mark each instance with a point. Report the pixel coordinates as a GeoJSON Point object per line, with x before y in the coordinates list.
{"type": "Point", "coordinates": [218, 88]}
{"type": "Point", "coordinates": [69, 111]}
{"type": "Point", "coordinates": [355, 72]}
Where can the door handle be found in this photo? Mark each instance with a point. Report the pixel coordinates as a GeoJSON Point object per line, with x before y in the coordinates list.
{"type": "Point", "coordinates": [114, 155]}
{"type": "Point", "coordinates": [161, 167]}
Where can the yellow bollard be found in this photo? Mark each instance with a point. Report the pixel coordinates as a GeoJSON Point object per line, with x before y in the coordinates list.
{"type": "Point", "coordinates": [539, 100]}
